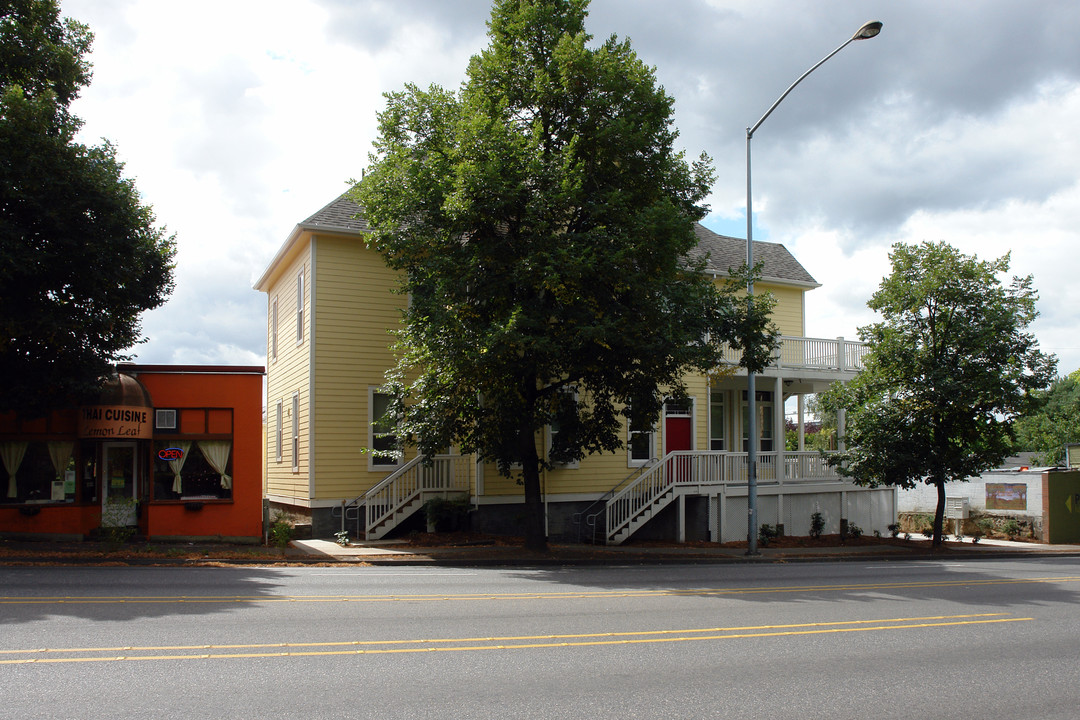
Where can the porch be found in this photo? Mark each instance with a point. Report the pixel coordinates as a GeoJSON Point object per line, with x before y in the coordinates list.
{"type": "Point", "coordinates": [789, 482]}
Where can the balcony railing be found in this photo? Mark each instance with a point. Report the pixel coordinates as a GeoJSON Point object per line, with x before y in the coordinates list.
{"type": "Point", "coordinates": [837, 355]}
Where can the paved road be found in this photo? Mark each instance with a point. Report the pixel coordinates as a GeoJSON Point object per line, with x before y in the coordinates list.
{"type": "Point", "coordinates": [987, 639]}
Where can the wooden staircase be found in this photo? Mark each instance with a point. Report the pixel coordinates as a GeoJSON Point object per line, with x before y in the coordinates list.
{"type": "Point", "coordinates": [401, 493]}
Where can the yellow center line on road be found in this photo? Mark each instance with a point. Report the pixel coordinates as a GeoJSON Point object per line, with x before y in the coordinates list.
{"type": "Point", "coordinates": [668, 592]}
{"type": "Point", "coordinates": [376, 647]}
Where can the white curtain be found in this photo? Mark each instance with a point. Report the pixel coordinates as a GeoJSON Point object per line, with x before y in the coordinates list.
{"type": "Point", "coordinates": [12, 453]}
{"type": "Point", "coordinates": [60, 453]}
{"type": "Point", "coordinates": [177, 465]}
{"type": "Point", "coordinates": [216, 453]}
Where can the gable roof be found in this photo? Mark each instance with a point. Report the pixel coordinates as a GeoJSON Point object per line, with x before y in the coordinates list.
{"type": "Point", "coordinates": [723, 253]}
{"type": "Point", "coordinates": [340, 215]}
{"type": "Point", "coordinates": [727, 253]}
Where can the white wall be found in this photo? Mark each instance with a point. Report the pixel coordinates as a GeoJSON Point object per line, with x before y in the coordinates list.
{"type": "Point", "coordinates": [923, 498]}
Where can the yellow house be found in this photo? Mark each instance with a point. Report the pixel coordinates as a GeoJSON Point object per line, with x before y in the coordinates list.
{"type": "Point", "coordinates": [331, 307]}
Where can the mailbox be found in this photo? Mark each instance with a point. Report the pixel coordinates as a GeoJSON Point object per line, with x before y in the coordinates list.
{"type": "Point", "coordinates": [956, 508]}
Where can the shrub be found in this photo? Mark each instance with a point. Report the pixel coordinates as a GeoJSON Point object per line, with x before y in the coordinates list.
{"type": "Point", "coordinates": [766, 534]}
{"type": "Point", "coordinates": [817, 525]}
{"type": "Point", "coordinates": [1011, 528]}
{"type": "Point", "coordinates": [894, 529]}
{"type": "Point", "coordinates": [854, 531]}
{"type": "Point", "coordinates": [281, 530]}
{"type": "Point", "coordinates": [447, 514]}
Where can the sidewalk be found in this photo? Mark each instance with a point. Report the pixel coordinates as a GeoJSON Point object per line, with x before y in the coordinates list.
{"type": "Point", "coordinates": [401, 553]}
{"type": "Point", "coordinates": [494, 552]}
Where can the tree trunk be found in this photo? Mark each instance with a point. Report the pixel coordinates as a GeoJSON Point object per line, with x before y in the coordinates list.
{"type": "Point", "coordinates": [939, 514]}
{"type": "Point", "coordinates": [535, 537]}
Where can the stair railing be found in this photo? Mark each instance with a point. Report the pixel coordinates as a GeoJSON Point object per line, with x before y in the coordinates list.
{"type": "Point", "coordinates": [444, 473]}
{"type": "Point", "coordinates": [596, 507]}
{"type": "Point", "coordinates": [680, 467]}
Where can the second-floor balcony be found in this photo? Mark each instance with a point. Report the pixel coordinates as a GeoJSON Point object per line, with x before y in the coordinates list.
{"type": "Point", "coordinates": [814, 354]}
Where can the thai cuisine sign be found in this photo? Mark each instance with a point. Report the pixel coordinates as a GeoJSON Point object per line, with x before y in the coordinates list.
{"type": "Point", "coordinates": [1006, 496]}
{"type": "Point", "coordinates": [115, 422]}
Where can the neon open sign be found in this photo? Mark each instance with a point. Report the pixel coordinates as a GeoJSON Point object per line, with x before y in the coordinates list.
{"type": "Point", "coordinates": [171, 454]}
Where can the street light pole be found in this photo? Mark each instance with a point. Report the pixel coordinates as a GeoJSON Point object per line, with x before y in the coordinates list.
{"type": "Point", "coordinates": [867, 31]}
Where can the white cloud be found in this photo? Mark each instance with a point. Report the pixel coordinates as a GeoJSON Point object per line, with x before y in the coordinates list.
{"type": "Point", "coordinates": [238, 119]}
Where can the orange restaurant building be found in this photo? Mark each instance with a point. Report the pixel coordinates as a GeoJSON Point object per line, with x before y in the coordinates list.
{"type": "Point", "coordinates": [173, 452]}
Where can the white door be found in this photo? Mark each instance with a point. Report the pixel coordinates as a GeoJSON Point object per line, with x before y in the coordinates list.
{"type": "Point", "coordinates": [119, 486]}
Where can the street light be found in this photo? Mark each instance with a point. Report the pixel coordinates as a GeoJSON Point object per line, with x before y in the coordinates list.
{"type": "Point", "coordinates": [867, 31]}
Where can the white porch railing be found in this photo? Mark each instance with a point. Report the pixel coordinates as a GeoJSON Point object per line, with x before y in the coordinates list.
{"type": "Point", "coordinates": [447, 473]}
{"type": "Point", "coordinates": [683, 469]}
{"type": "Point", "coordinates": [803, 353]}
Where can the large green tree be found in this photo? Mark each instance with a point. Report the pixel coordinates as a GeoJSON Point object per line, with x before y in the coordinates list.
{"type": "Point", "coordinates": [80, 256]}
{"type": "Point", "coordinates": [951, 366]}
{"type": "Point", "coordinates": [541, 219]}
{"type": "Point", "coordinates": [1053, 422]}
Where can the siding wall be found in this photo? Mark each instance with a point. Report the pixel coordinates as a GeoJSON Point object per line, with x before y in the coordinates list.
{"type": "Point", "coordinates": [788, 314]}
{"type": "Point", "coordinates": [286, 375]}
{"type": "Point", "coordinates": [355, 309]}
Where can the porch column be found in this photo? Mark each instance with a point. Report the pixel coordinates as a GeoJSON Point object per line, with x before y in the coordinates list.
{"type": "Point", "coordinates": [801, 405]}
{"type": "Point", "coordinates": [780, 428]}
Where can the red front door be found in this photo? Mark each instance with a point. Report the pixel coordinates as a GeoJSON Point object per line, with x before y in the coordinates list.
{"type": "Point", "coordinates": [677, 430]}
{"type": "Point", "coordinates": [676, 433]}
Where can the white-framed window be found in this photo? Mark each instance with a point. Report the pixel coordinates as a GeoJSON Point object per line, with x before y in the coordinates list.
{"type": "Point", "coordinates": [717, 423]}
{"type": "Point", "coordinates": [273, 329]}
{"type": "Point", "coordinates": [764, 408]}
{"type": "Point", "coordinates": [640, 447]}
{"type": "Point", "coordinates": [166, 419]}
{"type": "Point", "coordinates": [279, 430]}
{"type": "Point", "coordinates": [296, 432]}
{"type": "Point", "coordinates": [553, 432]}
{"type": "Point", "coordinates": [300, 307]}
{"type": "Point", "coordinates": [382, 437]}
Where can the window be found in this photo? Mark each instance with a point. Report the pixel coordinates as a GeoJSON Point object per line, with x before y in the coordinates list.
{"type": "Point", "coordinates": [296, 432]}
{"type": "Point", "coordinates": [279, 430]}
{"type": "Point", "coordinates": [641, 447]}
{"type": "Point", "coordinates": [165, 419]}
{"type": "Point", "coordinates": [382, 440]}
{"type": "Point", "coordinates": [716, 422]}
{"type": "Point", "coordinates": [193, 469]}
{"type": "Point", "coordinates": [37, 471]}
{"type": "Point", "coordinates": [764, 407]}
{"type": "Point", "coordinates": [569, 405]}
{"type": "Point", "coordinates": [273, 329]}
{"type": "Point", "coordinates": [300, 307]}
{"type": "Point", "coordinates": [640, 444]}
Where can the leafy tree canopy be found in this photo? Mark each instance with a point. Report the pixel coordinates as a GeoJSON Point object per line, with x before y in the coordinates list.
{"type": "Point", "coordinates": [541, 219]}
{"type": "Point", "coordinates": [950, 367]}
{"type": "Point", "coordinates": [80, 257]}
{"type": "Point", "coordinates": [1053, 422]}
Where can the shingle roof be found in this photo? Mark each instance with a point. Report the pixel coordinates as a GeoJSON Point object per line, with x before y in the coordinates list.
{"type": "Point", "coordinates": [727, 253]}
{"type": "Point", "coordinates": [343, 214]}
{"type": "Point", "coordinates": [724, 253]}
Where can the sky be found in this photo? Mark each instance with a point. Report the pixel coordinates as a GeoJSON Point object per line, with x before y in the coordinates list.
{"type": "Point", "coordinates": [238, 119]}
